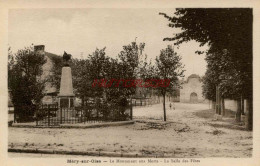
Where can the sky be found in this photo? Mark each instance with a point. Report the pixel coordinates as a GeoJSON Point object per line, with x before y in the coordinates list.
{"type": "Point", "coordinates": [80, 31]}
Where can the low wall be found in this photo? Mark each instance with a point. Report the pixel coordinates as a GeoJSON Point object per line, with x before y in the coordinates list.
{"type": "Point", "coordinates": [76, 125]}
{"type": "Point", "coordinates": [231, 105]}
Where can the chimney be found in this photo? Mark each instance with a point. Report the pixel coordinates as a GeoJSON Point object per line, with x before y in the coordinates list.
{"type": "Point", "coordinates": [39, 49]}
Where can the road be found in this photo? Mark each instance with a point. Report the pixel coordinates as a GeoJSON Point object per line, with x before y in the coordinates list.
{"type": "Point", "coordinates": [156, 111]}
{"type": "Point", "coordinates": [190, 131]}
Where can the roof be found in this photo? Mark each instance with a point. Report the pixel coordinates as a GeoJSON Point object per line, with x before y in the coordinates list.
{"type": "Point", "coordinates": [52, 93]}
{"type": "Point", "coordinates": [194, 76]}
{"type": "Point", "coordinates": [51, 55]}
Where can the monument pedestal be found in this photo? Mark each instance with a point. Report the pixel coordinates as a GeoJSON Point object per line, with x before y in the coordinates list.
{"type": "Point", "coordinates": [66, 107]}
{"type": "Point", "coordinates": [66, 96]}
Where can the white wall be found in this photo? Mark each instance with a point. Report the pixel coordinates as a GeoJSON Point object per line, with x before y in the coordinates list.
{"type": "Point", "coordinates": [193, 85]}
{"type": "Point", "coordinates": [46, 73]}
{"type": "Point", "coordinates": [231, 105]}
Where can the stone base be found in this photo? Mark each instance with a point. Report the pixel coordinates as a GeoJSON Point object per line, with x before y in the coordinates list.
{"type": "Point", "coordinates": [243, 119]}
{"type": "Point", "coordinates": [66, 113]}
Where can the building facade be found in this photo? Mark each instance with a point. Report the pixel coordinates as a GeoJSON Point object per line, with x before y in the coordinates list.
{"type": "Point", "coordinates": [191, 91]}
{"type": "Point", "coordinates": [50, 91]}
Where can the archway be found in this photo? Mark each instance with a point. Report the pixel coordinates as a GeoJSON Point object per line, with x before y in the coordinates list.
{"type": "Point", "coordinates": [193, 97]}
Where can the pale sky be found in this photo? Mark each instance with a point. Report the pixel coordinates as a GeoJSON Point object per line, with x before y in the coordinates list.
{"type": "Point", "coordinates": [80, 31]}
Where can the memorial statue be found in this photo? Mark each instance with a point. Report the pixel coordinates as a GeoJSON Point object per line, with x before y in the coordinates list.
{"type": "Point", "coordinates": [66, 58]}
{"type": "Point", "coordinates": [66, 95]}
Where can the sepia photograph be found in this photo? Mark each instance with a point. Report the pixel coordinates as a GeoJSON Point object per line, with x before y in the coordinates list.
{"type": "Point", "coordinates": [130, 85]}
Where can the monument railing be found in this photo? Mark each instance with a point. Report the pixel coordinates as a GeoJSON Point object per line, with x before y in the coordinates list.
{"type": "Point", "coordinates": [46, 114]}
{"type": "Point", "coordinates": [105, 113]}
{"type": "Point", "coordinates": [52, 115]}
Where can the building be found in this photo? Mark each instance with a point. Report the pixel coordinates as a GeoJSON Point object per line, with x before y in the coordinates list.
{"type": "Point", "coordinates": [191, 91]}
{"type": "Point", "coordinates": [50, 91]}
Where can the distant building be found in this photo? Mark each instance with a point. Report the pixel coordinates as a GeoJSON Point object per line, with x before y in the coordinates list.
{"type": "Point", "coordinates": [191, 91]}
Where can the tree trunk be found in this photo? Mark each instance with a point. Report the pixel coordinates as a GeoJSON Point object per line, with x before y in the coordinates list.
{"type": "Point", "coordinates": [216, 104]}
{"type": "Point", "coordinates": [223, 106]}
{"type": "Point", "coordinates": [238, 113]}
{"type": "Point", "coordinates": [217, 101]}
{"type": "Point", "coordinates": [213, 106]}
{"type": "Point", "coordinates": [82, 101]}
{"type": "Point", "coordinates": [131, 109]}
{"type": "Point", "coordinates": [15, 110]}
{"type": "Point", "coordinates": [242, 106]}
{"type": "Point", "coordinates": [164, 109]}
{"type": "Point", "coordinates": [249, 114]}
{"type": "Point", "coordinates": [83, 107]}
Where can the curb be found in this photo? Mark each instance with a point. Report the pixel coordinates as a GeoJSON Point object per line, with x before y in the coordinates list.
{"type": "Point", "coordinates": [89, 153]}
{"type": "Point", "coordinates": [70, 126]}
{"type": "Point", "coordinates": [154, 121]}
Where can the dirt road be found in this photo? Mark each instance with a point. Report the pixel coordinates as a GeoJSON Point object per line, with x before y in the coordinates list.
{"type": "Point", "coordinates": [190, 131]}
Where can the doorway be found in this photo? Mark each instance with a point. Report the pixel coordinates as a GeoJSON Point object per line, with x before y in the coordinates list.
{"type": "Point", "coordinates": [193, 97]}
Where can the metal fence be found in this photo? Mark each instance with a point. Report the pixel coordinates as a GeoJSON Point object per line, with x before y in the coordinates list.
{"type": "Point", "coordinates": [47, 115]}
{"type": "Point", "coordinates": [144, 102]}
{"type": "Point", "coordinates": [52, 115]}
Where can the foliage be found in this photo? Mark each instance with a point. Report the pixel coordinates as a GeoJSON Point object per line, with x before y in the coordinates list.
{"type": "Point", "coordinates": [168, 67]}
{"type": "Point", "coordinates": [131, 61]}
{"type": "Point", "coordinates": [131, 64]}
{"type": "Point", "coordinates": [81, 79]}
{"type": "Point", "coordinates": [24, 81]}
{"type": "Point", "coordinates": [224, 30]}
{"type": "Point", "coordinates": [131, 57]}
{"type": "Point", "coordinates": [209, 86]}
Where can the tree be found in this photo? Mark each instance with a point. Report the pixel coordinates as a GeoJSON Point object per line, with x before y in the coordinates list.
{"type": "Point", "coordinates": [82, 82]}
{"type": "Point", "coordinates": [99, 64]}
{"type": "Point", "coordinates": [169, 67]}
{"type": "Point", "coordinates": [222, 29]}
{"type": "Point", "coordinates": [131, 56]}
{"type": "Point", "coordinates": [25, 82]}
{"type": "Point", "coordinates": [131, 61]}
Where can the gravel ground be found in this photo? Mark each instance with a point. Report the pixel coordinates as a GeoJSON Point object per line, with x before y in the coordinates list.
{"type": "Point", "coordinates": [186, 134]}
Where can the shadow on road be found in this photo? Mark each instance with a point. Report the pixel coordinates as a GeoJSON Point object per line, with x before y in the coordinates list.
{"type": "Point", "coordinates": [228, 121]}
